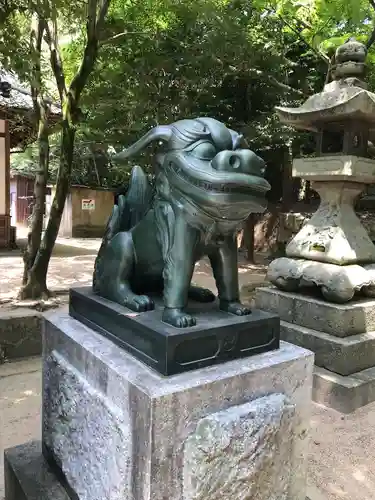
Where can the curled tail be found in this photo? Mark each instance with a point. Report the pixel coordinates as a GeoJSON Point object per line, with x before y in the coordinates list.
{"type": "Point", "coordinates": [130, 209]}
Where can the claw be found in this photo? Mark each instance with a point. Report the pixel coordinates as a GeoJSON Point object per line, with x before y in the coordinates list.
{"type": "Point", "coordinates": [178, 318]}
{"type": "Point", "coordinates": [139, 303]}
{"type": "Point", "coordinates": [235, 308]}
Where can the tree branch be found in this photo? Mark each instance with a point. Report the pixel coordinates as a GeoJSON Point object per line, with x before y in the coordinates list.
{"type": "Point", "coordinates": [91, 19]}
{"type": "Point", "coordinates": [120, 35]}
{"type": "Point", "coordinates": [48, 100]}
{"type": "Point", "coordinates": [281, 85]}
{"type": "Point", "coordinates": [286, 87]}
{"type": "Point", "coordinates": [94, 25]}
{"type": "Point", "coordinates": [102, 13]}
{"type": "Point", "coordinates": [55, 58]}
{"type": "Point", "coordinates": [36, 38]}
{"type": "Point", "coordinates": [303, 39]}
{"type": "Point", "coordinates": [371, 39]}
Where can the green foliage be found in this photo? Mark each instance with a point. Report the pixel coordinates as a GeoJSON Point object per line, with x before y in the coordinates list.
{"type": "Point", "coordinates": [91, 164]}
{"type": "Point", "coordinates": [325, 24]}
{"type": "Point", "coordinates": [162, 61]}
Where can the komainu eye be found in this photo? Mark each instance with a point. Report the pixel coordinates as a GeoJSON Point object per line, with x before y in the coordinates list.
{"type": "Point", "coordinates": [204, 151]}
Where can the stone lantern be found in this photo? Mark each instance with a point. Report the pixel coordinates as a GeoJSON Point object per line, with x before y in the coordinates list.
{"type": "Point", "coordinates": [333, 250]}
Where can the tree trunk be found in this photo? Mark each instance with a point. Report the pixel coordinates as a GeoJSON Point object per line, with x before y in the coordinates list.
{"type": "Point", "coordinates": [35, 234]}
{"type": "Point", "coordinates": [36, 285]}
{"type": "Point", "coordinates": [287, 189]}
{"type": "Point", "coordinates": [41, 110]}
{"type": "Point", "coordinates": [248, 237]}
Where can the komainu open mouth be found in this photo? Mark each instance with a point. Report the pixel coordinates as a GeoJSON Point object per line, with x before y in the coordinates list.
{"type": "Point", "coordinates": [257, 188]}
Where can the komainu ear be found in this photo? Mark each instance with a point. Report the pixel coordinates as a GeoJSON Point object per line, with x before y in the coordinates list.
{"type": "Point", "coordinates": [160, 133]}
{"type": "Point", "coordinates": [238, 140]}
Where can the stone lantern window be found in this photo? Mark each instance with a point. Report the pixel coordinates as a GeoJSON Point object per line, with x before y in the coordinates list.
{"type": "Point", "coordinates": [340, 138]}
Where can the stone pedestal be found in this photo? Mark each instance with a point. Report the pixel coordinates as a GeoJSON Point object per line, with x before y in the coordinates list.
{"type": "Point", "coordinates": [342, 338]}
{"type": "Point", "coordinates": [114, 429]}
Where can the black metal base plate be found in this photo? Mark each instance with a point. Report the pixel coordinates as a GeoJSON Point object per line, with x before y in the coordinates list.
{"type": "Point", "coordinates": [217, 337]}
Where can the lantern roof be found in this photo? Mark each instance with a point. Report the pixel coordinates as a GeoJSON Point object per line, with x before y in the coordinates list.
{"type": "Point", "coordinates": [345, 98]}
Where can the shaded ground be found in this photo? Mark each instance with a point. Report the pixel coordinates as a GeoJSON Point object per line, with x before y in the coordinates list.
{"type": "Point", "coordinates": [72, 262]}
{"type": "Point", "coordinates": [342, 451]}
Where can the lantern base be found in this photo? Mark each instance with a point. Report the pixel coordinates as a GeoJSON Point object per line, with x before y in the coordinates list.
{"type": "Point", "coordinates": [337, 284]}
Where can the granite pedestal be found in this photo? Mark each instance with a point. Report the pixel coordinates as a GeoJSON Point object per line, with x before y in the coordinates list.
{"type": "Point", "coordinates": [115, 429]}
{"type": "Point", "coordinates": [342, 336]}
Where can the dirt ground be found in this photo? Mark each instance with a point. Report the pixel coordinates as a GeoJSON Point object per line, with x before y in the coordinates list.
{"type": "Point", "coordinates": [20, 405]}
{"type": "Point", "coordinates": [72, 264]}
{"type": "Point", "coordinates": [342, 453]}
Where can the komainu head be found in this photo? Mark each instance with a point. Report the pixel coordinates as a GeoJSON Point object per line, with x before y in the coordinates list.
{"type": "Point", "coordinates": [210, 164]}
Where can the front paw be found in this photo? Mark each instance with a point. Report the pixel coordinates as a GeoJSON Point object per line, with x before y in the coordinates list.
{"type": "Point", "coordinates": [139, 303]}
{"type": "Point", "coordinates": [235, 308]}
{"type": "Point", "coordinates": [178, 318]}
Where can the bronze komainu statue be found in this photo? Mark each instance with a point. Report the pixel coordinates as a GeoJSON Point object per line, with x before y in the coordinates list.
{"type": "Point", "coordinates": [207, 183]}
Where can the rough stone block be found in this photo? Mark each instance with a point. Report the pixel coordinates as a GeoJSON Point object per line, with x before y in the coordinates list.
{"type": "Point", "coordinates": [340, 355]}
{"type": "Point", "coordinates": [344, 378]}
{"type": "Point", "coordinates": [207, 466]}
{"type": "Point", "coordinates": [335, 168]}
{"type": "Point", "coordinates": [339, 320]}
{"type": "Point", "coordinates": [73, 442]}
{"type": "Point", "coordinates": [117, 429]}
{"type": "Point", "coordinates": [20, 334]}
{"type": "Point", "coordinates": [344, 394]}
{"type": "Point", "coordinates": [28, 476]}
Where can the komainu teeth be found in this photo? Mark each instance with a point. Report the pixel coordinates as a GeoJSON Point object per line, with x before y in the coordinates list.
{"type": "Point", "coordinates": [208, 186]}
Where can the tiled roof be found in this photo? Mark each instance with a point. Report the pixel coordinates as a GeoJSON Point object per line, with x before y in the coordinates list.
{"type": "Point", "coordinates": [20, 97]}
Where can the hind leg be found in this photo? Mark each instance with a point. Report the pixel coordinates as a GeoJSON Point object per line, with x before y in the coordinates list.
{"type": "Point", "coordinates": [200, 294]}
{"type": "Point", "coordinates": [118, 263]}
